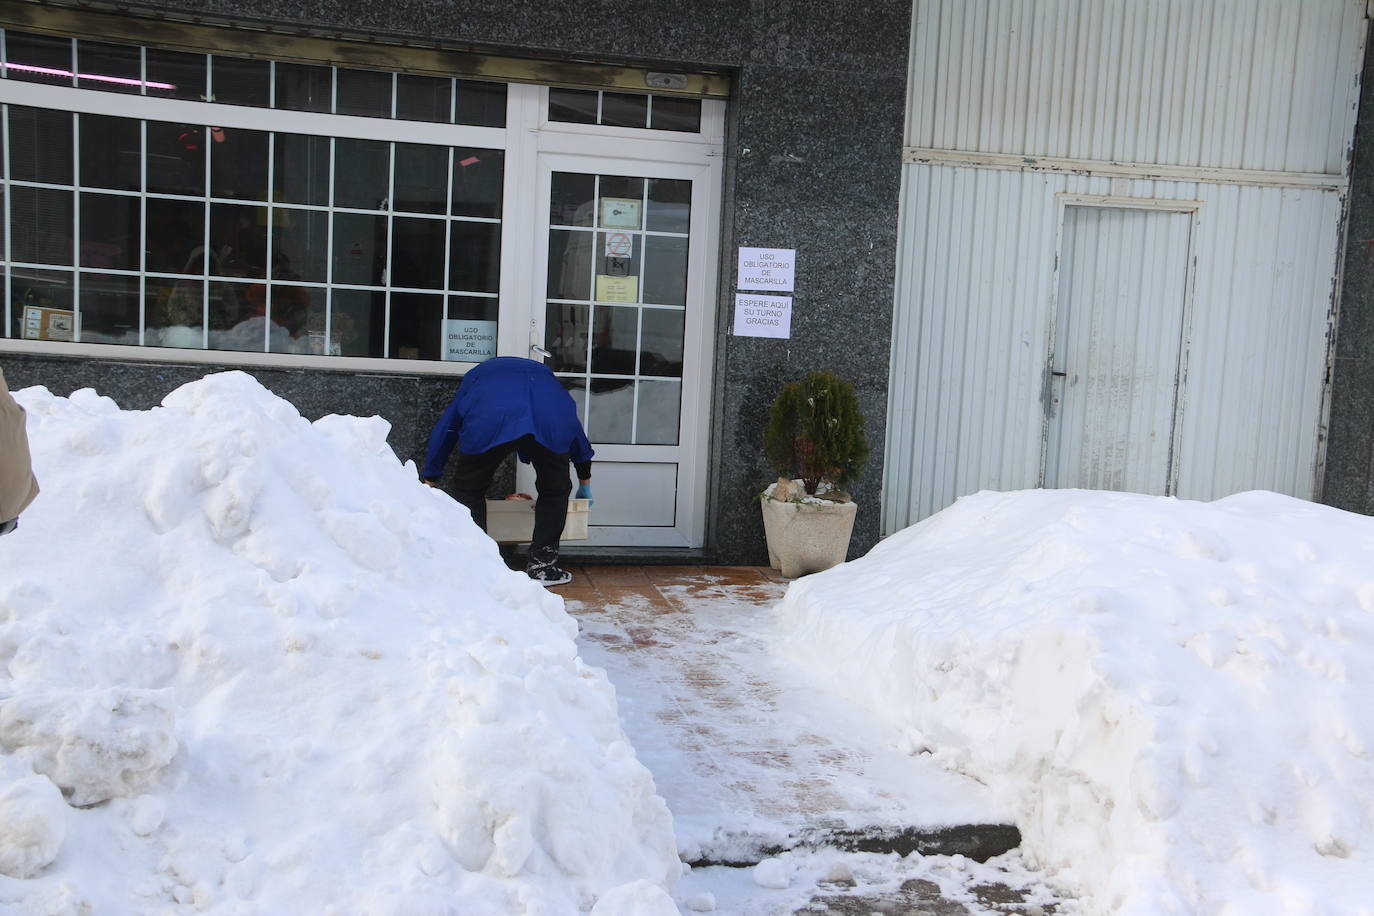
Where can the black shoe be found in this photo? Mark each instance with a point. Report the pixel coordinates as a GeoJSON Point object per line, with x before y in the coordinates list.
{"type": "Point", "coordinates": [543, 568]}
{"type": "Point", "coordinates": [549, 576]}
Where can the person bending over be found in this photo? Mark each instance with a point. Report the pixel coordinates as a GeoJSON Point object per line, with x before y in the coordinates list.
{"type": "Point", "coordinates": [510, 404]}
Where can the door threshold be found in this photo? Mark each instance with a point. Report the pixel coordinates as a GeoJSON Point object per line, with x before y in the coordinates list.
{"type": "Point", "coordinates": [619, 556]}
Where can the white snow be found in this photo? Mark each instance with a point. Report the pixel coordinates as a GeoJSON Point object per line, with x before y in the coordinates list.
{"type": "Point", "coordinates": [248, 664]}
{"type": "Point", "coordinates": [1173, 697]}
{"type": "Point", "coordinates": [773, 874]}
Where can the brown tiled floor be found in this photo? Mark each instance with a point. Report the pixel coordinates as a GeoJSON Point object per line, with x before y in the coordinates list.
{"type": "Point", "coordinates": [661, 588]}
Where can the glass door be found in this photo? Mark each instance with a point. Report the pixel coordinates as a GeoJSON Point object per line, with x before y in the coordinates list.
{"type": "Point", "coordinates": [628, 262]}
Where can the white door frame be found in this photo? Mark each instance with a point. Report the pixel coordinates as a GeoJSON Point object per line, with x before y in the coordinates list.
{"type": "Point", "coordinates": [640, 153]}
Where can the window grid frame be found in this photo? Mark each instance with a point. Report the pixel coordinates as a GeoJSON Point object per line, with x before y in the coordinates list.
{"type": "Point", "coordinates": [270, 205]}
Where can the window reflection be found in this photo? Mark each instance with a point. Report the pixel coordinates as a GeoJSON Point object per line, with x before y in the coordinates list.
{"type": "Point", "coordinates": [301, 87]}
{"type": "Point", "coordinates": [221, 251]}
{"type": "Point", "coordinates": [363, 92]}
{"type": "Point", "coordinates": [480, 104]}
{"type": "Point", "coordinates": [300, 244]}
{"type": "Point", "coordinates": [424, 98]}
{"type": "Point", "coordinates": [660, 344]}
{"type": "Point", "coordinates": [238, 81]}
{"type": "Point", "coordinates": [38, 58]}
{"type": "Point", "coordinates": [615, 330]}
{"type": "Point", "coordinates": [111, 153]}
{"type": "Point", "coordinates": [176, 236]}
{"type": "Point", "coordinates": [110, 67]}
{"type": "Point", "coordinates": [362, 174]}
{"type": "Point", "coordinates": [175, 74]}
{"type": "Point", "coordinates": [40, 145]}
{"type": "Point", "coordinates": [109, 309]}
{"type": "Point", "coordinates": [300, 167]}
{"type": "Point", "coordinates": [297, 315]}
{"type": "Point", "coordinates": [41, 223]}
{"type": "Point", "coordinates": [176, 159]}
{"type": "Point", "coordinates": [238, 163]}
{"type": "Point", "coordinates": [174, 313]}
{"type": "Point", "coordinates": [475, 257]}
{"type": "Point", "coordinates": [610, 411]}
{"type": "Point", "coordinates": [416, 322]}
{"type": "Point", "coordinates": [359, 249]}
{"type": "Point", "coordinates": [567, 332]}
{"type": "Point", "coordinates": [421, 178]}
{"type": "Point", "coordinates": [359, 322]}
{"type": "Point", "coordinates": [238, 240]}
{"type": "Point", "coordinates": [417, 253]}
{"type": "Point", "coordinates": [235, 323]}
{"type": "Point", "coordinates": [660, 406]}
{"type": "Point", "coordinates": [110, 228]}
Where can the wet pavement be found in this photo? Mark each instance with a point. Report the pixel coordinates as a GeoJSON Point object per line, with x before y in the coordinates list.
{"type": "Point", "coordinates": [754, 759]}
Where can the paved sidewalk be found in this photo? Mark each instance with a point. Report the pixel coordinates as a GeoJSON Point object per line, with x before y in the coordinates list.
{"type": "Point", "coordinates": [750, 757]}
{"type": "Point", "coordinates": [753, 760]}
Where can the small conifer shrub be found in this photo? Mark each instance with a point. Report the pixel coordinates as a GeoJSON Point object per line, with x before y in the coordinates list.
{"type": "Point", "coordinates": [815, 432]}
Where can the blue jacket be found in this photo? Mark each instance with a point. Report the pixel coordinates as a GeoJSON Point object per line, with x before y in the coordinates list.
{"type": "Point", "coordinates": [501, 400]}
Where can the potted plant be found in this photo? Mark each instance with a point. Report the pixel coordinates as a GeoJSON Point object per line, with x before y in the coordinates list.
{"type": "Point", "coordinates": [815, 441]}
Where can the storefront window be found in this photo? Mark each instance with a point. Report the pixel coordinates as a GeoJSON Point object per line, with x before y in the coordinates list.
{"type": "Point", "coordinates": [152, 233]}
{"type": "Point", "coordinates": [109, 67]}
{"type": "Point", "coordinates": [625, 109]}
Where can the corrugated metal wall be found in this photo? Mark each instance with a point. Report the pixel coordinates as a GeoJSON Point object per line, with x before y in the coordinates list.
{"type": "Point", "coordinates": [977, 285]}
{"type": "Point", "coordinates": [1205, 89]}
{"type": "Point", "coordinates": [1241, 84]}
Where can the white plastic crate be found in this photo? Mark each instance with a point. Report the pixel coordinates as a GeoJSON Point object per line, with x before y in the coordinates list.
{"type": "Point", "coordinates": [511, 521]}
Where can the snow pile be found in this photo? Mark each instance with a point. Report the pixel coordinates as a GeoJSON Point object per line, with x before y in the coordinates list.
{"type": "Point", "coordinates": [251, 665]}
{"type": "Point", "coordinates": [1175, 697]}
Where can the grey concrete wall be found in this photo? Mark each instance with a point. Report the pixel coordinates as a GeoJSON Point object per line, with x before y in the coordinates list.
{"type": "Point", "coordinates": [813, 163]}
{"type": "Point", "coordinates": [1349, 478]}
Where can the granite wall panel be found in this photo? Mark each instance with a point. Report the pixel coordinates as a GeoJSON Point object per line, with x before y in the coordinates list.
{"type": "Point", "coordinates": [411, 404]}
{"type": "Point", "coordinates": [1349, 477]}
{"type": "Point", "coordinates": [813, 163]}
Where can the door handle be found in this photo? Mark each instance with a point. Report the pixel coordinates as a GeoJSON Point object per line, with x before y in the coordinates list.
{"type": "Point", "coordinates": [1052, 393]}
{"type": "Point", "coordinates": [540, 352]}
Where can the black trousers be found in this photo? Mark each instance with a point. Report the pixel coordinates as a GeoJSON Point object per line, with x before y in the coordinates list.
{"type": "Point", "coordinates": [474, 474]}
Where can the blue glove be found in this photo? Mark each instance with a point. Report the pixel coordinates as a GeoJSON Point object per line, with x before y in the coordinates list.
{"type": "Point", "coordinates": [584, 491]}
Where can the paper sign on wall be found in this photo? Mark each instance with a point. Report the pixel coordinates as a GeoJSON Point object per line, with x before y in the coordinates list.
{"type": "Point", "coordinates": [763, 316]}
{"type": "Point", "coordinates": [767, 268]}
{"type": "Point", "coordinates": [469, 341]}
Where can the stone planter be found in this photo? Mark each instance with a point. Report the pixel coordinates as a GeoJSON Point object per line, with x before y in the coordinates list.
{"type": "Point", "coordinates": [806, 537]}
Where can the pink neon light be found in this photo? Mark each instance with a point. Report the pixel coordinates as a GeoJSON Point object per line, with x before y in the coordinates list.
{"type": "Point", "coordinates": [121, 80]}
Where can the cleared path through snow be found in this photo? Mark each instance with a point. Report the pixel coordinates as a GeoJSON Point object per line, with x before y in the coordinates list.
{"type": "Point", "coordinates": [751, 758]}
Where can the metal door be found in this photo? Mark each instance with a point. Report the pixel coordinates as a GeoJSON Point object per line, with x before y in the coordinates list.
{"type": "Point", "coordinates": [1114, 376]}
